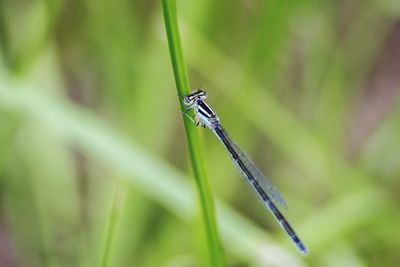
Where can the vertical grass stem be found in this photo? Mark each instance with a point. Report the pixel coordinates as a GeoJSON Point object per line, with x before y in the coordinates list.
{"type": "Point", "coordinates": [216, 258]}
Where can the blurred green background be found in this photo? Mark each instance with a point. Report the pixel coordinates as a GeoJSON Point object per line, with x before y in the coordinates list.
{"type": "Point", "coordinates": [94, 166]}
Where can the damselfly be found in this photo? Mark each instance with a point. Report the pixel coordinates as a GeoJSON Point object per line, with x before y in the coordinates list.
{"type": "Point", "coordinates": [206, 117]}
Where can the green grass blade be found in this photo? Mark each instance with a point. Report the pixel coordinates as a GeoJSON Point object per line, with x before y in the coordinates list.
{"type": "Point", "coordinates": [113, 220]}
{"type": "Point", "coordinates": [182, 84]}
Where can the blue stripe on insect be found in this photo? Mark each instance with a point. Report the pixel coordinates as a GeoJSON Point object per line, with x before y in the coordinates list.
{"type": "Point", "coordinates": [253, 176]}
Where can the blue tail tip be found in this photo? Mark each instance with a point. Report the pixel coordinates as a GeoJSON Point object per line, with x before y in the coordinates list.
{"type": "Point", "coordinates": [303, 250]}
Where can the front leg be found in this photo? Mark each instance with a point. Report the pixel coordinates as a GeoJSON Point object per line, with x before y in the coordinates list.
{"type": "Point", "coordinates": [199, 122]}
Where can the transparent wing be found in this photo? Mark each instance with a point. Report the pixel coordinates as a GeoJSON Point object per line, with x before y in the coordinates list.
{"type": "Point", "coordinates": [247, 168]}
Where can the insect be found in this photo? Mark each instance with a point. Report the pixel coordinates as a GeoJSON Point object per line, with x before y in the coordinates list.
{"type": "Point", "coordinates": [206, 117]}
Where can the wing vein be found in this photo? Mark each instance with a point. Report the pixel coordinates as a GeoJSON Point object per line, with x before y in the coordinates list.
{"type": "Point", "coordinates": [248, 169]}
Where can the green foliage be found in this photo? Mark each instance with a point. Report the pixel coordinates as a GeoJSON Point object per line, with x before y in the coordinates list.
{"type": "Point", "coordinates": [93, 158]}
{"type": "Point", "coordinates": [182, 84]}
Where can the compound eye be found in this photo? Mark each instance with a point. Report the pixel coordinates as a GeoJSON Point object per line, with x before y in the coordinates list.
{"type": "Point", "coordinates": [202, 94]}
{"type": "Point", "coordinates": [187, 101]}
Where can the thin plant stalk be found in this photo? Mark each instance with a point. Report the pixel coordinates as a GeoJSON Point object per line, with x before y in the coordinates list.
{"type": "Point", "coordinates": [216, 257]}
{"type": "Point", "coordinates": [113, 219]}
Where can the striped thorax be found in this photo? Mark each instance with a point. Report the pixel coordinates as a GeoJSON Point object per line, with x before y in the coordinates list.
{"type": "Point", "coordinates": [204, 112]}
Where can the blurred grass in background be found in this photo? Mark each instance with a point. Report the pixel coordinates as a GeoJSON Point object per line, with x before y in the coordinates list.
{"type": "Point", "coordinates": [93, 167]}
